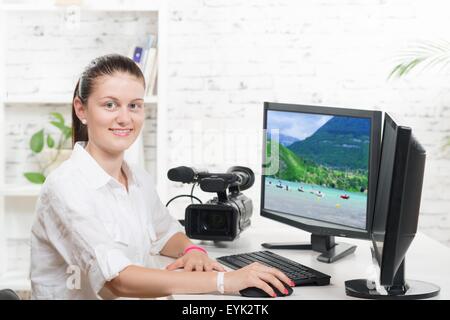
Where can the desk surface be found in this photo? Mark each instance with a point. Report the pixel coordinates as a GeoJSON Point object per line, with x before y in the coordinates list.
{"type": "Point", "coordinates": [426, 260]}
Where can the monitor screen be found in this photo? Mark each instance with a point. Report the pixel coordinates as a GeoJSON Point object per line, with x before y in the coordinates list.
{"type": "Point", "coordinates": [323, 169]}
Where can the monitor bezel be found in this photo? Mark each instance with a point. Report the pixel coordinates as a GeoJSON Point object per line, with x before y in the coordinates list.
{"type": "Point", "coordinates": [315, 226]}
{"type": "Point", "coordinates": [386, 257]}
{"type": "Point", "coordinates": [388, 121]}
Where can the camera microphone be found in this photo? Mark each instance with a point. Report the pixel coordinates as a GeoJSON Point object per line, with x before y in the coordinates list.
{"type": "Point", "coordinates": [212, 182]}
{"type": "Point", "coordinates": [182, 174]}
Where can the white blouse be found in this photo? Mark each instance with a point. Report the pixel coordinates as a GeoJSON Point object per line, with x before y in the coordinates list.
{"type": "Point", "coordinates": [88, 228]}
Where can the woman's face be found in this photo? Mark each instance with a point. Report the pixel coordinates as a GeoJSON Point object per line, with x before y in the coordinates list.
{"type": "Point", "coordinates": [115, 112]}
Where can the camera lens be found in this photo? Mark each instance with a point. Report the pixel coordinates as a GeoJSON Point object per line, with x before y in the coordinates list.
{"type": "Point", "coordinates": [211, 222]}
{"type": "Point", "coordinates": [217, 221]}
{"type": "Point", "coordinates": [214, 221]}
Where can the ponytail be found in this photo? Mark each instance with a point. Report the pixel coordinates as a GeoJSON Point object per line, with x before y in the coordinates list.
{"type": "Point", "coordinates": [79, 130]}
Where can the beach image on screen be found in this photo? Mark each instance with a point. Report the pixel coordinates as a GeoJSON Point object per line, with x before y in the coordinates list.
{"type": "Point", "coordinates": [323, 167]}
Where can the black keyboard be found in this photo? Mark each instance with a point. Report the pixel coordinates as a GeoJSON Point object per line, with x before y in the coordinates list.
{"type": "Point", "coordinates": [300, 274]}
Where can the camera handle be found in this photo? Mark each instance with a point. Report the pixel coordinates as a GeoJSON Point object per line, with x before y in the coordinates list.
{"type": "Point", "coordinates": [222, 196]}
{"type": "Point", "coordinates": [234, 189]}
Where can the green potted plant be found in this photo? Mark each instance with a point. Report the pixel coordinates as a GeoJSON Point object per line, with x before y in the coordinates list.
{"type": "Point", "coordinates": [50, 153]}
{"type": "Point", "coordinates": [427, 55]}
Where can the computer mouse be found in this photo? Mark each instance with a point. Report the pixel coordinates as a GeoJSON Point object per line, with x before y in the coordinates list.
{"type": "Point", "coordinates": [254, 292]}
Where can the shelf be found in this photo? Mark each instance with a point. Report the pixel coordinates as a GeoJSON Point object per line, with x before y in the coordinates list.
{"type": "Point", "coordinates": [91, 6]}
{"type": "Point", "coordinates": [20, 190]}
{"type": "Point", "coordinates": [29, 99]}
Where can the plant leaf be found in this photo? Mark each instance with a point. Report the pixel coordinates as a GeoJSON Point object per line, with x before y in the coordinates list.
{"type": "Point", "coordinates": [430, 53]}
{"type": "Point", "coordinates": [37, 141]}
{"type": "Point", "coordinates": [67, 132]}
{"type": "Point", "coordinates": [58, 116]}
{"type": "Point", "coordinates": [35, 177]}
{"type": "Point", "coordinates": [59, 125]}
{"type": "Point", "coordinates": [407, 67]}
{"type": "Point", "coordinates": [396, 69]}
{"type": "Point", "coordinates": [50, 141]}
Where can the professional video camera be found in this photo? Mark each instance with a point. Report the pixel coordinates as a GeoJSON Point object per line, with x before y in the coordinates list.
{"type": "Point", "coordinates": [224, 217]}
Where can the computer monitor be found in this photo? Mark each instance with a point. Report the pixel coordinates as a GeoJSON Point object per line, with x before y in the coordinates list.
{"type": "Point", "coordinates": [396, 216]}
{"type": "Point", "coordinates": [320, 167]}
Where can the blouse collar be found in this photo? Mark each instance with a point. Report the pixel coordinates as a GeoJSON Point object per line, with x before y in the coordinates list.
{"type": "Point", "coordinates": [96, 176]}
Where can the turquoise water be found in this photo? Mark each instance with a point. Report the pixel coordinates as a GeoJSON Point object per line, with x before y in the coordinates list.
{"type": "Point", "coordinates": [330, 207]}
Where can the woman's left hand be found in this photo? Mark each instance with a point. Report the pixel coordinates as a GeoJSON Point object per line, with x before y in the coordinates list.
{"type": "Point", "coordinates": [195, 260]}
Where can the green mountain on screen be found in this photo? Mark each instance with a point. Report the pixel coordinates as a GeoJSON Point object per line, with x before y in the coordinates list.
{"type": "Point", "coordinates": [341, 143]}
{"type": "Point", "coordinates": [297, 169]}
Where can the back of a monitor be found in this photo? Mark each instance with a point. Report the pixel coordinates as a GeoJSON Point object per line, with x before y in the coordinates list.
{"type": "Point", "coordinates": [404, 203]}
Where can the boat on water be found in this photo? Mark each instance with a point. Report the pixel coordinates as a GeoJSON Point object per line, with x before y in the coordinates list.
{"type": "Point", "coordinates": [345, 196]}
{"type": "Point", "coordinates": [317, 193]}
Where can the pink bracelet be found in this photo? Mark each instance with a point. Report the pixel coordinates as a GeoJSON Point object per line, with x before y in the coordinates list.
{"type": "Point", "coordinates": [194, 247]}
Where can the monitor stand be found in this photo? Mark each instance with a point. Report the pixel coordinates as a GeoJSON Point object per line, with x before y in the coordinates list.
{"type": "Point", "coordinates": [400, 289]}
{"type": "Point", "coordinates": [330, 250]}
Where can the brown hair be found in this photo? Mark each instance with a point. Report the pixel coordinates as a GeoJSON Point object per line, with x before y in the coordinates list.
{"type": "Point", "coordinates": [101, 66]}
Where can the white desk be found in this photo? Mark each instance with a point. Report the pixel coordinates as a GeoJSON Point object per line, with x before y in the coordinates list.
{"type": "Point", "coordinates": [426, 260]}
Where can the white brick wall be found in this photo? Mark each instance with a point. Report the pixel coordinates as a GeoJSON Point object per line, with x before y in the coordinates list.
{"type": "Point", "coordinates": [227, 57]}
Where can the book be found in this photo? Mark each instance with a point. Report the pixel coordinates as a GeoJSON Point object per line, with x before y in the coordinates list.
{"type": "Point", "coordinates": [150, 70]}
{"type": "Point", "coordinates": [150, 42]}
{"type": "Point", "coordinates": [145, 55]}
{"type": "Point", "coordinates": [137, 55]}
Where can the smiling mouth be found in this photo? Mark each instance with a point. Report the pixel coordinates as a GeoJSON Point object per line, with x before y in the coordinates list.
{"type": "Point", "coordinates": [121, 132]}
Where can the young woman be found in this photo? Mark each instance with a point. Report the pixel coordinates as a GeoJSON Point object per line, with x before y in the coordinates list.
{"type": "Point", "coordinates": [98, 218]}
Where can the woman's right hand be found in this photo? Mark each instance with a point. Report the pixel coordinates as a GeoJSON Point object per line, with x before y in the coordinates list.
{"type": "Point", "coordinates": [256, 275]}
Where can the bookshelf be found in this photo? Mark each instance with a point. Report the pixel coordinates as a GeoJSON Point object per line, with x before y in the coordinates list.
{"type": "Point", "coordinates": [17, 200]}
